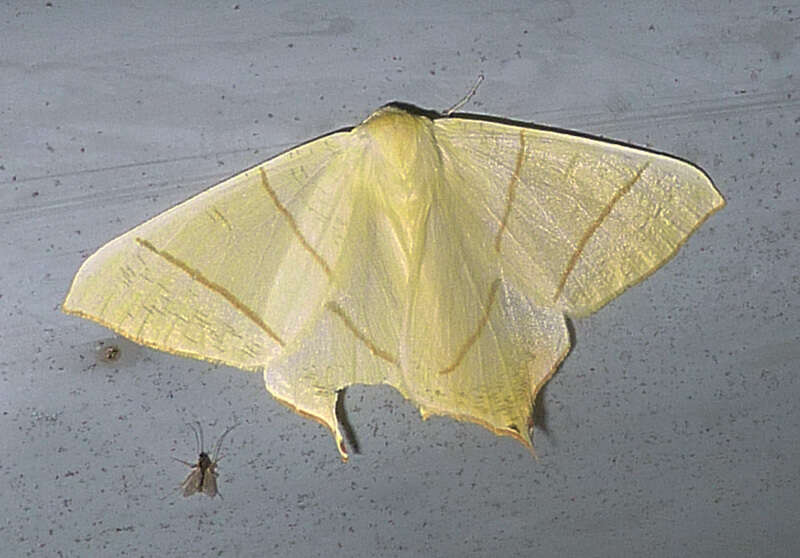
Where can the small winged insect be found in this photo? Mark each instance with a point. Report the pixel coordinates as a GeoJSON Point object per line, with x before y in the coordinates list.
{"type": "Point", "coordinates": [112, 352]}
{"type": "Point", "coordinates": [107, 352]}
{"type": "Point", "coordinates": [203, 476]}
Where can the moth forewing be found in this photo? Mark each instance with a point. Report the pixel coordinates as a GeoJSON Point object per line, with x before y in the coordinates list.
{"type": "Point", "coordinates": [203, 476]}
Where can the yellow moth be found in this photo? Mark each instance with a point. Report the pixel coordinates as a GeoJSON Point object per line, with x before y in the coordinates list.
{"type": "Point", "coordinates": [203, 476]}
{"type": "Point", "coordinates": [436, 253]}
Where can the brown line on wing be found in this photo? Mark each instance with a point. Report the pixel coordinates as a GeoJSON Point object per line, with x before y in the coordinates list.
{"type": "Point", "coordinates": [573, 261]}
{"type": "Point", "coordinates": [512, 188]}
{"type": "Point", "coordinates": [374, 349]}
{"type": "Point", "coordinates": [293, 224]}
{"type": "Point", "coordinates": [219, 289]}
{"type": "Point", "coordinates": [474, 337]}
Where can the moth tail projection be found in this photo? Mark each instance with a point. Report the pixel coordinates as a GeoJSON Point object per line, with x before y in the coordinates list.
{"type": "Point", "coordinates": [308, 376]}
{"type": "Point", "coordinates": [502, 370]}
{"type": "Point", "coordinates": [493, 383]}
{"type": "Point", "coordinates": [323, 410]}
{"type": "Point", "coordinates": [332, 352]}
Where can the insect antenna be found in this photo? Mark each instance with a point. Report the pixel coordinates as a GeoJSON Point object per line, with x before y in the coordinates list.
{"type": "Point", "coordinates": [216, 455]}
{"type": "Point", "coordinates": [466, 97]}
{"type": "Point", "coordinates": [197, 428]}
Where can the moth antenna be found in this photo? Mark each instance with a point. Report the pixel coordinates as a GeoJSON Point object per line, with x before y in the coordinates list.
{"type": "Point", "coordinates": [466, 98]}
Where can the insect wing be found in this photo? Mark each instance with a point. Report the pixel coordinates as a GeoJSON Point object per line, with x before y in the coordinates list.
{"type": "Point", "coordinates": [193, 481]}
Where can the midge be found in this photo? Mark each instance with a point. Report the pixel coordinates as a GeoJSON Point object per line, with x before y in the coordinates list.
{"type": "Point", "coordinates": [203, 476]}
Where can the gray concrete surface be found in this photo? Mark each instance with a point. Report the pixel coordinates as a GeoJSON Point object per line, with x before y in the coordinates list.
{"type": "Point", "coordinates": [670, 430]}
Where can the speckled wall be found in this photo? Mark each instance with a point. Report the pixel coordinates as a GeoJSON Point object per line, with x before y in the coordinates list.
{"type": "Point", "coordinates": [670, 429]}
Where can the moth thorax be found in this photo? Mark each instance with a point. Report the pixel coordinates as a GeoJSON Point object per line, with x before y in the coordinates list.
{"type": "Point", "coordinates": [403, 155]}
